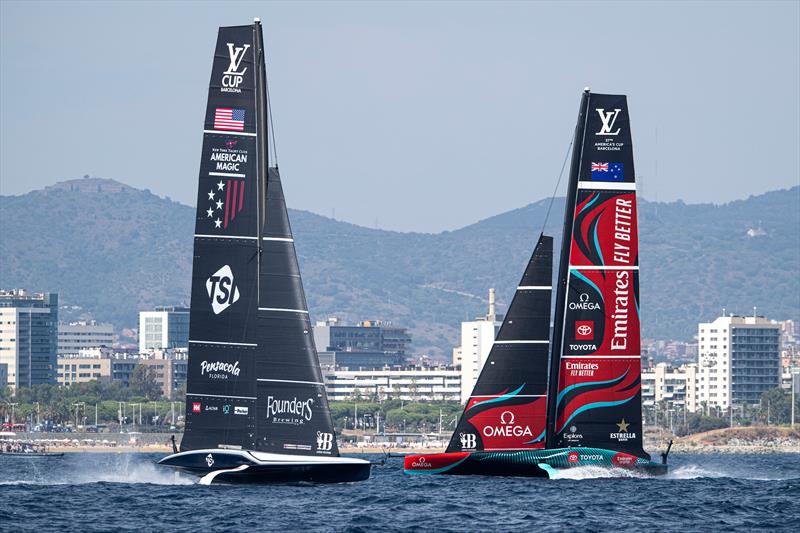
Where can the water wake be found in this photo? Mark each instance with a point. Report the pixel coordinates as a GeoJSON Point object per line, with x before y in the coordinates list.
{"type": "Point", "coordinates": [596, 472]}
{"type": "Point", "coordinates": [81, 469]}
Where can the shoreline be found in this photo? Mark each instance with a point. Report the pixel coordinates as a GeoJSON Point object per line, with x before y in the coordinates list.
{"type": "Point", "coordinates": [678, 448]}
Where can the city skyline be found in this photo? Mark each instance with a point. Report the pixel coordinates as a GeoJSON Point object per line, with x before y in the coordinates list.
{"type": "Point", "coordinates": [364, 93]}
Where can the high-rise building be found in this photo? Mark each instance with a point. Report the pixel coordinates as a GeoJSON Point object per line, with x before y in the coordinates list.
{"type": "Point", "coordinates": [28, 337]}
{"type": "Point", "coordinates": [477, 338]}
{"type": "Point", "coordinates": [368, 345]}
{"type": "Point", "coordinates": [75, 336]}
{"type": "Point", "coordinates": [83, 369]}
{"type": "Point", "coordinates": [738, 360]}
{"type": "Point", "coordinates": [163, 328]}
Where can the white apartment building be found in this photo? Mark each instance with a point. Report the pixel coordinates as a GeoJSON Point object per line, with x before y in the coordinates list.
{"type": "Point", "coordinates": [477, 337]}
{"type": "Point", "coordinates": [76, 336]}
{"type": "Point", "coordinates": [413, 384]}
{"type": "Point", "coordinates": [738, 360]}
{"type": "Point", "coordinates": [164, 328]}
{"type": "Point", "coordinates": [673, 387]}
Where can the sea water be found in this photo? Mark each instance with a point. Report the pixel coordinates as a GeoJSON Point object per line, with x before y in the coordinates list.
{"type": "Point", "coordinates": [87, 492]}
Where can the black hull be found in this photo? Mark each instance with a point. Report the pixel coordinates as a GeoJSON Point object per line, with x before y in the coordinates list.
{"type": "Point", "coordinates": [222, 466]}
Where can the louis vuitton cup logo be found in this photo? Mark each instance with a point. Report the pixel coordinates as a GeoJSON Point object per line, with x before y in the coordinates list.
{"type": "Point", "coordinates": [222, 290]}
{"type": "Point", "coordinates": [609, 119]}
{"type": "Point", "coordinates": [232, 78]}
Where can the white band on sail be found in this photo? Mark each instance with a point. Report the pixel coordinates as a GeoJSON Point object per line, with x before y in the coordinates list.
{"type": "Point", "coordinates": [282, 310]}
{"type": "Point", "coordinates": [601, 357]}
{"type": "Point", "coordinates": [224, 236]}
{"type": "Point", "coordinates": [595, 267]}
{"type": "Point", "coordinates": [607, 185]}
{"type": "Point", "coordinates": [534, 288]}
{"type": "Point", "coordinates": [291, 381]}
{"type": "Point", "coordinates": [230, 133]}
{"type": "Point", "coordinates": [224, 343]}
{"type": "Point", "coordinates": [221, 396]}
{"type": "Point", "coordinates": [226, 174]}
{"type": "Point", "coordinates": [501, 395]}
{"type": "Point", "coordinates": [279, 239]}
{"type": "Point", "coordinates": [522, 342]}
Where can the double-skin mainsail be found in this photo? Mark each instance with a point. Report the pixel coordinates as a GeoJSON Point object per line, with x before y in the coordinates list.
{"type": "Point", "coordinates": [254, 381]}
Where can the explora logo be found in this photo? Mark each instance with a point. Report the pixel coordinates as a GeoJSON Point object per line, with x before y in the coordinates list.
{"type": "Point", "coordinates": [221, 289]}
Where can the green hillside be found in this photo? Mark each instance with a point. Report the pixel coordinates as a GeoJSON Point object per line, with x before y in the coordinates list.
{"type": "Point", "coordinates": [114, 250]}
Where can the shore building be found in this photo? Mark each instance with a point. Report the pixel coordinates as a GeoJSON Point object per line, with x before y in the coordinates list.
{"type": "Point", "coordinates": [738, 360]}
{"type": "Point", "coordinates": [76, 336]}
{"type": "Point", "coordinates": [28, 337]}
{"type": "Point", "coordinates": [163, 328]}
{"type": "Point", "coordinates": [477, 338]}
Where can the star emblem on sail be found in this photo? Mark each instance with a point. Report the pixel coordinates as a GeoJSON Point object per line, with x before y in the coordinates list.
{"type": "Point", "coordinates": [224, 208]}
{"type": "Point", "coordinates": [623, 426]}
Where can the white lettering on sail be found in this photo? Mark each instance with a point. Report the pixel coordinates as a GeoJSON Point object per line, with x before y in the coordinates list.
{"type": "Point", "coordinates": [219, 369]}
{"type": "Point", "coordinates": [621, 301]}
{"type": "Point", "coordinates": [293, 411]}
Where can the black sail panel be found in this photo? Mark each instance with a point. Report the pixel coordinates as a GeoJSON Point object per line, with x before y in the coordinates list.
{"type": "Point", "coordinates": [293, 411]}
{"type": "Point", "coordinates": [598, 394]}
{"type": "Point", "coordinates": [221, 386]}
{"type": "Point", "coordinates": [508, 406]}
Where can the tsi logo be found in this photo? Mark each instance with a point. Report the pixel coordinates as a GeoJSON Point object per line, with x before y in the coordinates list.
{"type": "Point", "coordinates": [608, 121]}
{"type": "Point", "coordinates": [232, 78]}
{"type": "Point", "coordinates": [468, 441]}
{"type": "Point", "coordinates": [324, 441]}
{"type": "Point", "coordinates": [221, 289]}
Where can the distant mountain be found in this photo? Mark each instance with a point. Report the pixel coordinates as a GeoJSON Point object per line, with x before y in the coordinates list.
{"type": "Point", "coordinates": [113, 250]}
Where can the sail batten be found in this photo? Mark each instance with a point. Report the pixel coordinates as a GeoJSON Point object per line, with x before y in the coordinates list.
{"type": "Point", "coordinates": [507, 407]}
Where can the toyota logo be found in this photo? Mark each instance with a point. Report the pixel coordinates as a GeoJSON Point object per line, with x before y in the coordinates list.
{"type": "Point", "coordinates": [584, 330]}
{"type": "Point", "coordinates": [507, 418]}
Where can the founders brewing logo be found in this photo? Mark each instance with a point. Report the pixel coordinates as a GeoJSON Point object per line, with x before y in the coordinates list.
{"type": "Point", "coordinates": [232, 78]}
{"type": "Point", "coordinates": [324, 441]}
{"type": "Point", "coordinates": [293, 412]}
{"type": "Point", "coordinates": [222, 290]}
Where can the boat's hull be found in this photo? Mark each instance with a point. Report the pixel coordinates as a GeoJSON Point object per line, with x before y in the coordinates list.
{"type": "Point", "coordinates": [244, 466]}
{"type": "Point", "coordinates": [527, 463]}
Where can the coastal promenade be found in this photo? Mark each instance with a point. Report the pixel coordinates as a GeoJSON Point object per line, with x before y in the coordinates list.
{"type": "Point", "coordinates": [755, 439]}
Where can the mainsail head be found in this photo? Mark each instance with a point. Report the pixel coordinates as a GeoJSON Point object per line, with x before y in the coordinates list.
{"type": "Point", "coordinates": [254, 380]}
{"type": "Point", "coordinates": [508, 406]}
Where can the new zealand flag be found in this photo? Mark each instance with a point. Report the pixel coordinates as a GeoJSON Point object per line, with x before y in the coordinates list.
{"type": "Point", "coordinates": [607, 172]}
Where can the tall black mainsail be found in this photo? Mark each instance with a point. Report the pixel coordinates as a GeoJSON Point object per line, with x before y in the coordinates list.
{"type": "Point", "coordinates": [508, 406]}
{"type": "Point", "coordinates": [254, 381]}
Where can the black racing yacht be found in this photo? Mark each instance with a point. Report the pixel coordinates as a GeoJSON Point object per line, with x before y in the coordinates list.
{"type": "Point", "coordinates": [256, 407]}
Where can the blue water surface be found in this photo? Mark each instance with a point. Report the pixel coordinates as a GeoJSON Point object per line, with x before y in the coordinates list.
{"type": "Point", "coordinates": [88, 492]}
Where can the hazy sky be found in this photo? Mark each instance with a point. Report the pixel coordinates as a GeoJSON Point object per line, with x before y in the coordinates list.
{"type": "Point", "coordinates": [420, 116]}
